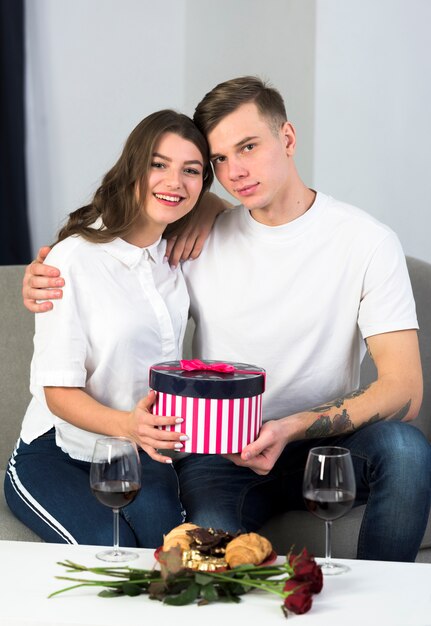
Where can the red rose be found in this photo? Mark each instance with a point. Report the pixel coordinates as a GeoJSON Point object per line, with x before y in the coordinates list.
{"type": "Point", "coordinates": [303, 559]}
{"type": "Point", "coordinates": [298, 602]}
{"type": "Point", "coordinates": [297, 586]}
{"type": "Point", "coordinates": [306, 569]}
{"type": "Point", "coordinates": [299, 598]}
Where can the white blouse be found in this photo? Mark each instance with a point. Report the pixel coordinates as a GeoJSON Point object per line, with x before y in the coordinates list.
{"type": "Point", "coordinates": [123, 309]}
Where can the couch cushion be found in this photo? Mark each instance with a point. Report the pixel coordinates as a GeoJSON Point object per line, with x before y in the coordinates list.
{"type": "Point", "coordinates": [16, 334]}
{"type": "Point", "coordinates": [11, 528]}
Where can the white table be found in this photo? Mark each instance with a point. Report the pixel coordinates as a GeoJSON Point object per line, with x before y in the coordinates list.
{"type": "Point", "coordinates": [372, 593]}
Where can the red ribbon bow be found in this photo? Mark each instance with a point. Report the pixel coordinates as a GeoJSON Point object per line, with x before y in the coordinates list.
{"type": "Point", "coordinates": [196, 364]}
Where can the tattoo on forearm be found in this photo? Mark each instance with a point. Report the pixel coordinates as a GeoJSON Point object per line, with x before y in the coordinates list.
{"type": "Point", "coordinates": [320, 428]}
{"type": "Point", "coordinates": [372, 420]}
{"type": "Point", "coordinates": [341, 422]}
{"type": "Point", "coordinates": [400, 415]}
{"type": "Point", "coordinates": [325, 426]}
{"type": "Point", "coordinates": [338, 402]}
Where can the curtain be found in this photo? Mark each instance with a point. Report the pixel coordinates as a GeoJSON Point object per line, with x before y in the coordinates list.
{"type": "Point", "coordinates": [14, 230]}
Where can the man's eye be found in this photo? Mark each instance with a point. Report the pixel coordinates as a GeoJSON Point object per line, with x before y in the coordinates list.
{"type": "Point", "coordinates": [218, 160]}
{"type": "Point", "coordinates": [249, 147]}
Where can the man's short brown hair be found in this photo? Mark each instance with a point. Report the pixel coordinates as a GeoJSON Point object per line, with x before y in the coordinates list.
{"type": "Point", "coordinates": [226, 97]}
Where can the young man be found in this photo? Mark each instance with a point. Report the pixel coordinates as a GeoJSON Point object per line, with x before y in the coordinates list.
{"type": "Point", "coordinates": [297, 282]}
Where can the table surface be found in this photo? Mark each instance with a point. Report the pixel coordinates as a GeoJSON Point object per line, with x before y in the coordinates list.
{"type": "Point", "coordinates": [372, 592]}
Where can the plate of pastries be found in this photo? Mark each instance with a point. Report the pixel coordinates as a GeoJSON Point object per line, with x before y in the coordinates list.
{"type": "Point", "coordinates": [208, 549]}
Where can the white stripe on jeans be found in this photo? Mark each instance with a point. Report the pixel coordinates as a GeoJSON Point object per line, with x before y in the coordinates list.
{"type": "Point", "coordinates": [33, 504]}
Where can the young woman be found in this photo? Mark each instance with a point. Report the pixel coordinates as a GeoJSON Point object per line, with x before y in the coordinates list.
{"type": "Point", "coordinates": [125, 308]}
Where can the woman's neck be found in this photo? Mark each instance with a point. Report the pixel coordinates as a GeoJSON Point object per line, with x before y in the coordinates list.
{"type": "Point", "coordinates": [144, 236]}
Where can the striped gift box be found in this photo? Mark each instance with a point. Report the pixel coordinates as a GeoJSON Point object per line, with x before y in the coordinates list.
{"type": "Point", "coordinates": [221, 403]}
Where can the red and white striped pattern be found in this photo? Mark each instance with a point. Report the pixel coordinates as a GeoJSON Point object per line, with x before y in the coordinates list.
{"type": "Point", "coordinates": [213, 426]}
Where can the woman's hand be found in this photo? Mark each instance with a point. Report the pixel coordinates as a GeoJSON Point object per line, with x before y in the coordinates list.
{"type": "Point", "coordinates": [76, 406]}
{"type": "Point", "coordinates": [41, 282]}
{"type": "Point", "coordinates": [188, 243]}
{"type": "Point", "coordinates": [145, 432]}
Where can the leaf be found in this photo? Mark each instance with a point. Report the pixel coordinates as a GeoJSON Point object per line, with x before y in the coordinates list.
{"type": "Point", "coordinates": [236, 589]}
{"type": "Point", "coordinates": [209, 593]}
{"type": "Point", "coordinates": [226, 596]}
{"type": "Point", "coordinates": [203, 579]}
{"type": "Point", "coordinates": [130, 589]}
{"type": "Point", "coordinates": [187, 596]}
{"type": "Point", "coordinates": [171, 561]}
{"type": "Point", "coordinates": [109, 593]}
{"type": "Point", "coordinates": [174, 586]}
{"type": "Point", "coordinates": [157, 590]}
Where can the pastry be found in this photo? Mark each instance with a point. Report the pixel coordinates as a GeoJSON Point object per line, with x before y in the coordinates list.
{"type": "Point", "coordinates": [249, 548]}
{"type": "Point", "coordinates": [207, 549]}
{"type": "Point", "coordinates": [178, 537]}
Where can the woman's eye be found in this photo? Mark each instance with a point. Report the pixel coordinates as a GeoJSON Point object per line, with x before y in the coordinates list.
{"type": "Point", "coordinates": [190, 170]}
{"type": "Point", "coordinates": [157, 164]}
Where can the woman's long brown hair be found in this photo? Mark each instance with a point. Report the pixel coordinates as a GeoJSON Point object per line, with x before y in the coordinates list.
{"type": "Point", "coordinates": [115, 200]}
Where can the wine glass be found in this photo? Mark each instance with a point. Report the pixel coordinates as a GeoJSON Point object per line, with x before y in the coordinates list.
{"type": "Point", "coordinates": [115, 479]}
{"type": "Point", "coordinates": [329, 491]}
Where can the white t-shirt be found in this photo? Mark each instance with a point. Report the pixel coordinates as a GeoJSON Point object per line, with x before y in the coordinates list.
{"type": "Point", "coordinates": [123, 309]}
{"type": "Point", "coordinates": [299, 299]}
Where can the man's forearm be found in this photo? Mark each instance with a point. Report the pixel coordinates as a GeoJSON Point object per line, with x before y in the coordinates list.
{"type": "Point", "coordinates": [343, 415]}
{"type": "Point", "coordinates": [379, 401]}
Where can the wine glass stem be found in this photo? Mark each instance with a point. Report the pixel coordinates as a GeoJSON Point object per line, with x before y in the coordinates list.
{"type": "Point", "coordinates": [116, 530]}
{"type": "Point", "coordinates": [328, 541]}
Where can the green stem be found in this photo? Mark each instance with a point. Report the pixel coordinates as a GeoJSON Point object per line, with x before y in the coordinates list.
{"type": "Point", "coordinates": [120, 572]}
{"type": "Point", "coordinates": [240, 576]}
{"type": "Point", "coordinates": [113, 583]}
{"type": "Point", "coordinates": [55, 593]}
{"type": "Point", "coordinates": [271, 585]}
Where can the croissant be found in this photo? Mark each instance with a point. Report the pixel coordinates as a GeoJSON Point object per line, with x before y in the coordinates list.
{"type": "Point", "coordinates": [178, 537]}
{"type": "Point", "coordinates": [249, 548]}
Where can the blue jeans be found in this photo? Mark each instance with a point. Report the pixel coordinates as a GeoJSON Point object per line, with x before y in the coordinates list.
{"type": "Point", "coordinates": [50, 493]}
{"type": "Point", "coordinates": [392, 463]}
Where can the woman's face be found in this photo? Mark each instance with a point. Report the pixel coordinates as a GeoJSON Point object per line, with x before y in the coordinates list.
{"type": "Point", "coordinates": [174, 181]}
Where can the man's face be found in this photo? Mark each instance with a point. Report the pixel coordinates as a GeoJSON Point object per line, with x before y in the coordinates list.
{"type": "Point", "coordinates": [250, 159]}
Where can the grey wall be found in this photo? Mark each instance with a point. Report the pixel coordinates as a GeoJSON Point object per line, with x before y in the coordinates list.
{"type": "Point", "coordinates": [355, 75]}
{"type": "Point", "coordinates": [273, 39]}
{"type": "Point", "coordinates": [95, 69]}
{"type": "Point", "coordinates": [372, 101]}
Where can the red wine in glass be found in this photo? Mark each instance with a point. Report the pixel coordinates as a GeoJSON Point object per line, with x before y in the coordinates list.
{"type": "Point", "coordinates": [329, 504]}
{"type": "Point", "coordinates": [329, 491]}
{"type": "Point", "coordinates": [115, 479]}
{"type": "Point", "coordinates": [115, 493]}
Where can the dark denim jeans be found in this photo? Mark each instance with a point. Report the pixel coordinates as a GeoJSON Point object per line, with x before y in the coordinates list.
{"type": "Point", "coordinates": [392, 463]}
{"type": "Point", "coordinates": [50, 493]}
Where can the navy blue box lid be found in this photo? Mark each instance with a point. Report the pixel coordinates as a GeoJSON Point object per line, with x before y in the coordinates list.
{"type": "Point", "coordinates": [244, 382]}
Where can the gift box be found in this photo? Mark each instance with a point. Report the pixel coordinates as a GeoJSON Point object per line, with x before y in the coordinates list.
{"type": "Point", "coordinates": [220, 403]}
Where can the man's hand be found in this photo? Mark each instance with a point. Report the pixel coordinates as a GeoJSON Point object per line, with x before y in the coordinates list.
{"type": "Point", "coordinates": [41, 282]}
{"type": "Point", "coordinates": [188, 243]}
{"type": "Point", "coordinates": [261, 455]}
